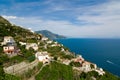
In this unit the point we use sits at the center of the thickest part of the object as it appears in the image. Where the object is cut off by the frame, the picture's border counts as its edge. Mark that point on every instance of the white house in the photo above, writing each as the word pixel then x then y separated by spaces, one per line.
pixel 32 45
pixel 62 49
pixel 56 42
pixel 100 71
pixel 43 57
pixel 49 42
pixel 44 38
pixel 8 39
pixel 22 43
pixel 53 45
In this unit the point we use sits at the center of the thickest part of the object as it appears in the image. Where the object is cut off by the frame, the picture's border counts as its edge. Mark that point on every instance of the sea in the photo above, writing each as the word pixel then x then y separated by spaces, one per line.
pixel 103 52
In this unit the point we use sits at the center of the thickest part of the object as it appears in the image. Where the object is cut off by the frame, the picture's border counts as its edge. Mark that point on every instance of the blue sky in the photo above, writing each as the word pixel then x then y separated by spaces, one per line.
pixel 73 18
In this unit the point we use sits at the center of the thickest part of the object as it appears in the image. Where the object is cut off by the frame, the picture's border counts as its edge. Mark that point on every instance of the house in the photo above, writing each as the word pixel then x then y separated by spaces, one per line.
pixel 44 39
pixel 86 66
pixel 30 37
pixel 79 58
pixel 22 43
pixel 66 62
pixel 95 66
pixel 8 39
pixel 32 45
pixel 53 45
pixel 100 71
pixel 39 37
pixel 62 49
pixel 56 42
pixel 67 52
pixel 45 46
pixel 43 57
pixel 9 49
pixel 49 42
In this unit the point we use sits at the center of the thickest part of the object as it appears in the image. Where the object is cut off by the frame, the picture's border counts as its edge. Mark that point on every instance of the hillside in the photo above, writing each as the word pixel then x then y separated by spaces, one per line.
pixel 19 33
pixel 4 21
pixel 57 71
pixel 50 35
pixel 38 58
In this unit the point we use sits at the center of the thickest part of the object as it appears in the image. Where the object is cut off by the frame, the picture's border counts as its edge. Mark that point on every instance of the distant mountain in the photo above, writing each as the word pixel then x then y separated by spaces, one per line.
pixel 50 35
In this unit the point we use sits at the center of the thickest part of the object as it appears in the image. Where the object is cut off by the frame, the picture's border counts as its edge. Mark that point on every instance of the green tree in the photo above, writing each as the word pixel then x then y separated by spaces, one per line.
pixel 1 72
pixel 75 64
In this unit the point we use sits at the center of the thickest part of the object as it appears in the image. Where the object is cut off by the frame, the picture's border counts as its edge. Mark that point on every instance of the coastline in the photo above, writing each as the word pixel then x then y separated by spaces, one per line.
pixel 88 51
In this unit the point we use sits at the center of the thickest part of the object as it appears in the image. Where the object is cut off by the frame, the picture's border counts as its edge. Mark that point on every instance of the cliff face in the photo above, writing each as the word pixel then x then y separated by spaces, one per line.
pixel 50 35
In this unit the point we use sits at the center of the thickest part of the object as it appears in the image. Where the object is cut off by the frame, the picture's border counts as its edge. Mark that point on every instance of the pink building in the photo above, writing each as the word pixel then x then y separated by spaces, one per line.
pixel 9 49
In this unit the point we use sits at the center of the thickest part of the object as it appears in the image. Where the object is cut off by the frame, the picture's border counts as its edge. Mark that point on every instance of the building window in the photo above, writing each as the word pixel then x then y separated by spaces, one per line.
pixel 5 47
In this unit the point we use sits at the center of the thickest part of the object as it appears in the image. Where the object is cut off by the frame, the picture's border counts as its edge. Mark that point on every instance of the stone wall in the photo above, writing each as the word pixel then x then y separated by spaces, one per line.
pixel 21 67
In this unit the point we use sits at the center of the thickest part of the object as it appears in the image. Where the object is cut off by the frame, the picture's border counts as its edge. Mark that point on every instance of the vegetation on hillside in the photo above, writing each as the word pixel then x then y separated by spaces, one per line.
pixel 3 21
pixel 55 71
pixel 3 75
pixel 31 72
pixel 58 71
pixel 75 64
pixel 94 75
pixel 19 33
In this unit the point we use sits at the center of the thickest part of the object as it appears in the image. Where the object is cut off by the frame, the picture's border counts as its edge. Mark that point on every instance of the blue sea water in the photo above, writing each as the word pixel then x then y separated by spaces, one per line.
pixel 104 52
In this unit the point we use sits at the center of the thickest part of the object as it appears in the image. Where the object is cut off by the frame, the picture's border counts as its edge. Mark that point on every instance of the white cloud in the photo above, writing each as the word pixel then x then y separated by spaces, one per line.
pixel 9 17
pixel 12 17
pixel 106 12
pixel 102 22
pixel 60 27
pixel 108 20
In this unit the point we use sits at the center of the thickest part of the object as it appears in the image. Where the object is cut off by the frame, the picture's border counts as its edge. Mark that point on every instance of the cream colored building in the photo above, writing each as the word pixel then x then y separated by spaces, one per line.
pixel 32 45
pixel 8 39
pixel 86 66
pixel 44 38
pixel 43 57
pixel 22 43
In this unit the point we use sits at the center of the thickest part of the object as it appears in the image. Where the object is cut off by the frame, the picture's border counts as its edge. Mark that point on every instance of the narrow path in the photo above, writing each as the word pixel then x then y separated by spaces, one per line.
pixel 33 77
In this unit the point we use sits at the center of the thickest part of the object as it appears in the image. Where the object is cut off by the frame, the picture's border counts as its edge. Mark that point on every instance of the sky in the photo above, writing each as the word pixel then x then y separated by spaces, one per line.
pixel 72 18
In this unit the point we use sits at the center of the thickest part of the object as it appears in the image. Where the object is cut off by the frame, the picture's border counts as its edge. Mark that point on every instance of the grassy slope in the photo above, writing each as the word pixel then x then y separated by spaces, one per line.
pixel 55 71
